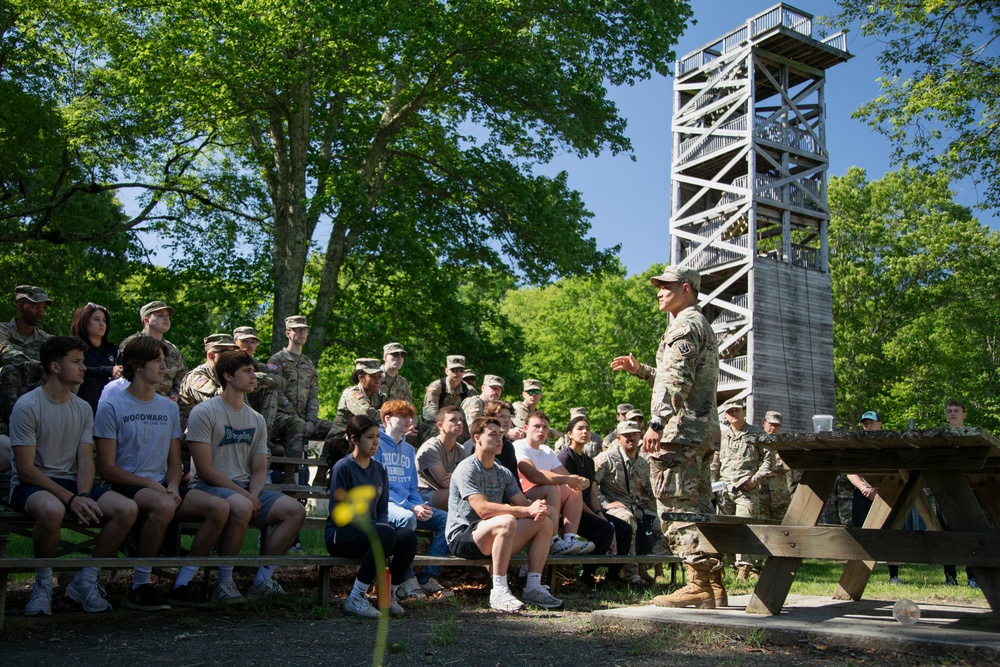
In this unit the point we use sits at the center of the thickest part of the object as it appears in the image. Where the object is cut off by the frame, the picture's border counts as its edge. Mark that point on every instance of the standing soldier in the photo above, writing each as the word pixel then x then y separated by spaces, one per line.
pixel 201 383
pixel 394 386
pixel 20 342
pixel 155 317
pixel 683 428
pixel 269 391
pixel 775 495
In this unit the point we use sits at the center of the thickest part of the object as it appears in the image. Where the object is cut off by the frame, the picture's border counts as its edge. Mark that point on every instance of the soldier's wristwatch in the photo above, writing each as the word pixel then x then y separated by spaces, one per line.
pixel 656 425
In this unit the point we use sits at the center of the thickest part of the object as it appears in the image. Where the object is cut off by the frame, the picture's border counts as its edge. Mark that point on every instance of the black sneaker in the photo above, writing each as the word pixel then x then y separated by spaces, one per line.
pixel 189 596
pixel 146 598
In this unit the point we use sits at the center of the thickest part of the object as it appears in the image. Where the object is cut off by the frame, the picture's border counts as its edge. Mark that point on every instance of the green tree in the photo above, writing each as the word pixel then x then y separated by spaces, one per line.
pixel 940 77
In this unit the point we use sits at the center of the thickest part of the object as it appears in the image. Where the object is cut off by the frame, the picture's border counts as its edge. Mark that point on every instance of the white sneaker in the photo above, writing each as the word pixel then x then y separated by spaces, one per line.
pixel 227 592
pixel 504 600
pixel 360 607
pixel 268 587
pixel 395 609
pixel 540 597
pixel 410 589
pixel 433 586
pixel 90 596
pixel 40 603
pixel 561 547
pixel 586 546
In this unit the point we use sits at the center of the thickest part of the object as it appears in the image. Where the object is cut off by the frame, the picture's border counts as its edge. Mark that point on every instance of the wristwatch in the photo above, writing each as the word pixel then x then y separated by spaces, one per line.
pixel 656 425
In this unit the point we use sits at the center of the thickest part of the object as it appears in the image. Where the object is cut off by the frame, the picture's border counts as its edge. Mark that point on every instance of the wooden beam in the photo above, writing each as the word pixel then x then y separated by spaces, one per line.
pixel 887 460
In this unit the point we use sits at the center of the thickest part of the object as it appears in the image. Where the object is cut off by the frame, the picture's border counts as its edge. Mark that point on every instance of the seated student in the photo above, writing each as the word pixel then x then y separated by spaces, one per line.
pixel 53 473
pixel 594 524
pixel 399 545
pixel 137 433
pixel 438 457
pixel 228 443
pixel 543 476
pixel 406 507
pixel 489 516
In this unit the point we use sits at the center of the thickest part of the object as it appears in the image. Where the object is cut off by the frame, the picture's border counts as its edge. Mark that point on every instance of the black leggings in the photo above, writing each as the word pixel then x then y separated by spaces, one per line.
pixel 398 544
pixel 600 532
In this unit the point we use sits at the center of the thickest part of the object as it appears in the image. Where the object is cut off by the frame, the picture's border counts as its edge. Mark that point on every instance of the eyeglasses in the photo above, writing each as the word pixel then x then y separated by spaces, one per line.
pixel 534 392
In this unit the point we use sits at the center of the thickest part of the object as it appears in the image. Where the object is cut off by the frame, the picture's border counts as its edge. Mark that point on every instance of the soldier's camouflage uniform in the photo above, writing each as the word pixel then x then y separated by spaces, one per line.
pixel 302 394
pixel 395 389
pixel 176 368
pixel 684 385
pixel 268 396
pixel 735 463
pixel 22 371
pixel 199 385
pixel 521 414
pixel 775 495
pixel 353 401
pixel 439 394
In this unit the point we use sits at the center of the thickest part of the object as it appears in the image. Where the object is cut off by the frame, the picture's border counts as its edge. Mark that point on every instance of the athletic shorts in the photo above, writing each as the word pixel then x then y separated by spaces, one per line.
pixel 19 494
pixel 463 546
pixel 267 498
pixel 131 491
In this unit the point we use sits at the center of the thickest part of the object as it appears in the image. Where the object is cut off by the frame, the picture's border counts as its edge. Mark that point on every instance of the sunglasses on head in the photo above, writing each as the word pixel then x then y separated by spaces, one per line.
pixel 91 304
pixel 534 392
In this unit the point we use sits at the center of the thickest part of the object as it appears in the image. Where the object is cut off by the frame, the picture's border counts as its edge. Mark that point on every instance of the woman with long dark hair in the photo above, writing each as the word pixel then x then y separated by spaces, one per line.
pixel 399 545
pixel 91 323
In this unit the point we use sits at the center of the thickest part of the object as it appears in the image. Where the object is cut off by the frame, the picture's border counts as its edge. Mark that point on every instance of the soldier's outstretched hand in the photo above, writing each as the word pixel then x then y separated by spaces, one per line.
pixel 629 363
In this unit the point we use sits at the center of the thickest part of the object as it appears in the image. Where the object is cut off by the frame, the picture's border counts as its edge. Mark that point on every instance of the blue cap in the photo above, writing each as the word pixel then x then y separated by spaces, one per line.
pixel 872 415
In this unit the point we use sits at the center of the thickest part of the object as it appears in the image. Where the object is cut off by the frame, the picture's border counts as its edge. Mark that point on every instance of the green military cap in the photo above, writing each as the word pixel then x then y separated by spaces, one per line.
pixel 678 274
pixel 733 403
pixel 389 348
pixel 469 374
pixel 242 333
pixel 30 293
pixel 532 384
pixel 219 341
pixel 295 322
pixel 627 426
pixel 493 381
pixel 455 361
pixel 577 412
pixel 625 407
pixel 634 414
pixel 154 306
pixel 368 365
pixel 772 417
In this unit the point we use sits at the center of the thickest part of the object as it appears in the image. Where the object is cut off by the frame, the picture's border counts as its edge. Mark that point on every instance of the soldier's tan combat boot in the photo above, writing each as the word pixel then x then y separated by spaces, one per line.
pixel 719 588
pixel 697 593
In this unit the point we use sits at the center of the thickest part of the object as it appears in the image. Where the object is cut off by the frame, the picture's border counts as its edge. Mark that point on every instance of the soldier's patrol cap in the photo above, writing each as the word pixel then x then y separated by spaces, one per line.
pixel 773 417
pixel 870 415
pixel 389 348
pixel 469 374
pixel 154 306
pixel 242 333
pixel 625 407
pixel 678 274
pixel 295 322
pixel 627 426
pixel 367 365
pixel 532 384
pixel 634 415
pixel 220 341
pixel 733 403
pixel 577 412
pixel 455 361
pixel 493 381
pixel 30 293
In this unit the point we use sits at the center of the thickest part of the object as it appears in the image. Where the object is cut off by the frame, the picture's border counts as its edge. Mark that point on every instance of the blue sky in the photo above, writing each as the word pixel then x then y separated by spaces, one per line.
pixel 630 200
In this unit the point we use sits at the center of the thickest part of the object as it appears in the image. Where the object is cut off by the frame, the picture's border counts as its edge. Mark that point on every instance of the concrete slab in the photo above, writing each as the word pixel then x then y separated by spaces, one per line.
pixel 942 629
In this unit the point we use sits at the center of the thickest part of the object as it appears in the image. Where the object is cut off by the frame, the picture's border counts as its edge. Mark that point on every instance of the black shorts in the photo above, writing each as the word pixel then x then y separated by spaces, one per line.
pixel 20 494
pixel 131 491
pixel 463 546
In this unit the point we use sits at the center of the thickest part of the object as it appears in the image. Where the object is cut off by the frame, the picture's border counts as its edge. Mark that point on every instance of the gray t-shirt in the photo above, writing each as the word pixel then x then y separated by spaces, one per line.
pixel 236 436
pixel 432 453
pixel 496 484
pixel 55 430
pixel 142 429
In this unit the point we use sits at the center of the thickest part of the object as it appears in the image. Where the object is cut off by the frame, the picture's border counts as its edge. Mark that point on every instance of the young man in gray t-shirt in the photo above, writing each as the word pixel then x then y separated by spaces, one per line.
pixel 489 516
pixel 228 443
pixel 53 474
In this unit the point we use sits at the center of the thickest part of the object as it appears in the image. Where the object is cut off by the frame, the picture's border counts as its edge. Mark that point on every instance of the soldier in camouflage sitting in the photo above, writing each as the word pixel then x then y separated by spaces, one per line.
pixel 363 397
pixel 448 390
pixel 20 342
pixel 155 317
pixel 269 392
pixel 473 406
pixel 201 383
pixel 394 386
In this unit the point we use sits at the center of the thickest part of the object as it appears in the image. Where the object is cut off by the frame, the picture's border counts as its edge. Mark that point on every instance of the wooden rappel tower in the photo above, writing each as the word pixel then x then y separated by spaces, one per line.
pixel 749 208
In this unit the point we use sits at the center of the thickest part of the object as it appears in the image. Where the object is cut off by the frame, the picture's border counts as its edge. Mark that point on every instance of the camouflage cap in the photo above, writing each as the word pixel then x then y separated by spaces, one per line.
pixel 532 384
pixel 627 426
pixel 368 365
pixel 389 348
pixel 634 415
pixel 30 293
pixel 152 307
pixel 295 322
pixel 577 412
pixel 625 407
pixel 678 274
pixel 455 361
pixel 772 417
pixel 469 374
pixel 493 381
pixel 242 333
pixel 220 341
pixel 734 403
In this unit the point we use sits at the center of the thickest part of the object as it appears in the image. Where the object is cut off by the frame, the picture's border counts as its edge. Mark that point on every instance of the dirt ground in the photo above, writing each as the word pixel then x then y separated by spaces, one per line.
pixel 459 631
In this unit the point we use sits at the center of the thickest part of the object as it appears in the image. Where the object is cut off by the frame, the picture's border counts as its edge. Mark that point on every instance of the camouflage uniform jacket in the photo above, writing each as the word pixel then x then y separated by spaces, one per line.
pixel 18 349
pixel 268 376
pixel 301 384
pixel 176 368
pixel 440 394
pixel 737 461
pixel 685 381
pixel 521 414
pixel 353 401
pixel 395 389
pixel 611 467
pixel 473 408
pixel 199 385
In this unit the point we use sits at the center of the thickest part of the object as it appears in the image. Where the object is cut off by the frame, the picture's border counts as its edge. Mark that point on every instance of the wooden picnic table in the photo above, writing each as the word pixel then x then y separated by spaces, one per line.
pixel 958 464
